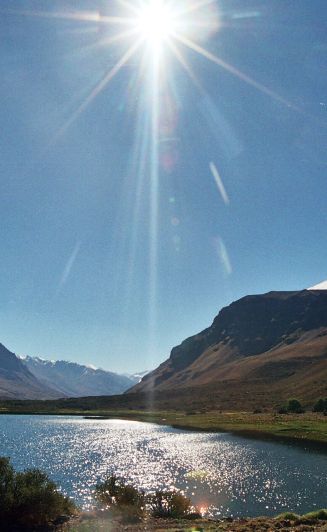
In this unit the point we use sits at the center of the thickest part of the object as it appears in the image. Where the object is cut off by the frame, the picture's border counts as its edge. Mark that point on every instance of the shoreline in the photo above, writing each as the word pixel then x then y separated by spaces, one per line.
pixel 251 434
pixel 298 429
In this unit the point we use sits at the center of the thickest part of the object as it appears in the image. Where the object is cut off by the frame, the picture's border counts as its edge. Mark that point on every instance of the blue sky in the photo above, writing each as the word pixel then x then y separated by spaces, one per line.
pixel 108 261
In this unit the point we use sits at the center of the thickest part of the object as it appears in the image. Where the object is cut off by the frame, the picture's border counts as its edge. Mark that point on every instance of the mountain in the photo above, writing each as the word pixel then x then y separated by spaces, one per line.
pixel 260 348
pixel 320 286
pixel 136 377
pixel 75 380
pixel 17 382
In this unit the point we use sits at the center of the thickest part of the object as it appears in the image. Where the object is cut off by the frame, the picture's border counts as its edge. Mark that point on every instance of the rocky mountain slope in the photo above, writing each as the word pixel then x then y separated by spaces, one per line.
pixel 274 343
pixel 17 382
pixel 70 379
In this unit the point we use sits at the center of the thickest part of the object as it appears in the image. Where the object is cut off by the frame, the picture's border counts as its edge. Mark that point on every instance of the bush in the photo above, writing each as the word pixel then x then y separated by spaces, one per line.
pixel 290 516
pixel 30 498
pixel 320 406
pixel 294 406
pixel 130 496
pixel 115 492
pixel 317 514
pixel 37 499
pixel 169 504
pixel 106 491
pixel 7 488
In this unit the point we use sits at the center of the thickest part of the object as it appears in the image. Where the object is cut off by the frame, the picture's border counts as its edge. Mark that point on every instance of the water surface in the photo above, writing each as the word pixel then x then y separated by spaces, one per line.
pixel 223 473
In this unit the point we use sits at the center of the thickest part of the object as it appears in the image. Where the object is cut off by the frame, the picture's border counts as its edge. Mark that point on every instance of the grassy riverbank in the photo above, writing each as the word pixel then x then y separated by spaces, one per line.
pixel 307 427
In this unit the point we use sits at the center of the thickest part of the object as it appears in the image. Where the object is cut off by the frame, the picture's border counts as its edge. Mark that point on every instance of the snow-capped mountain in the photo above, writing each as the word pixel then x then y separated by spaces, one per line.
pixel 137 377
pixel 70 379
pixel 320 286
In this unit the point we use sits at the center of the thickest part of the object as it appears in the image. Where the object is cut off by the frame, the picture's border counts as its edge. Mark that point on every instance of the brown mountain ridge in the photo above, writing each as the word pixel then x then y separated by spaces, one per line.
pixel 266 347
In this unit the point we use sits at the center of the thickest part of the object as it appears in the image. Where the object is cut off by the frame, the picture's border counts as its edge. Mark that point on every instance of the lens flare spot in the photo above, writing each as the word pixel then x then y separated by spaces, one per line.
pixel 175 221
pixel 223 256
pixel 219 183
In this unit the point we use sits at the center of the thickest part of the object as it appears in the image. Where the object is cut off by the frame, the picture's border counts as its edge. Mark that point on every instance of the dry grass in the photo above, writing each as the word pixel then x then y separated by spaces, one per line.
pixel 114 523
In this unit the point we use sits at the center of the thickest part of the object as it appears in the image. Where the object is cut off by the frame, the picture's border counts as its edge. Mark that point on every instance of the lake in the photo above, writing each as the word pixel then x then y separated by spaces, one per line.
pixel 225 475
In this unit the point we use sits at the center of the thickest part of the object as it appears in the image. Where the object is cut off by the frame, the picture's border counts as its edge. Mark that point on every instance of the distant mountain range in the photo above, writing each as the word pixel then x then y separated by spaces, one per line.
pixel 35 378
pixel 258 350
pixel 70 379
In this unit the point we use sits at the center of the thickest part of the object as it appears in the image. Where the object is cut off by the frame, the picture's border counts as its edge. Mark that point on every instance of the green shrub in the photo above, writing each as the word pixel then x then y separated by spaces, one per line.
pixel 115 492
pixel 169 504
pixel 311 516
pixel 289 516
pixel 30 498
pixel 318 514
pixel 130 496
pixel 7 476
pixel 105 492
pixel 294 406
pixel 320 406
pixel 37 499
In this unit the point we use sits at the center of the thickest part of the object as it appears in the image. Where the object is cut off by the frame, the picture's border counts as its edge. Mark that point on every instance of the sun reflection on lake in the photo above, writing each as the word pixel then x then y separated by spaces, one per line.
pixel 223 475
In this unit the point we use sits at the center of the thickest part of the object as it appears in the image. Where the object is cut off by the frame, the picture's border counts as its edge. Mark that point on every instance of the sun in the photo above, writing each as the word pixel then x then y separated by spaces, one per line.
pixel 155 22
pixel 164 30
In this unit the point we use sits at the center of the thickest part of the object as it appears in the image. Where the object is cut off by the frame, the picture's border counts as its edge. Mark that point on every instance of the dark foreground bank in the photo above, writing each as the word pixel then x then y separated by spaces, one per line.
pixel 286 522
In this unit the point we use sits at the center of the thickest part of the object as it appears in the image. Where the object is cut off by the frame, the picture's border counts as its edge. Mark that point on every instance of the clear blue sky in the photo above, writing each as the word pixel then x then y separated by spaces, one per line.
pixel 106 261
